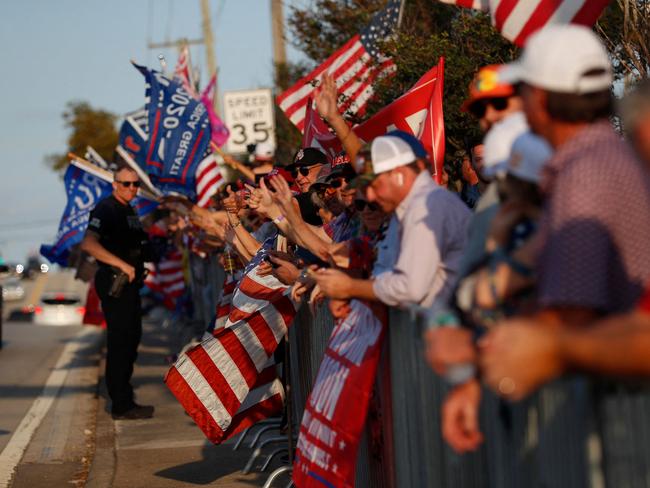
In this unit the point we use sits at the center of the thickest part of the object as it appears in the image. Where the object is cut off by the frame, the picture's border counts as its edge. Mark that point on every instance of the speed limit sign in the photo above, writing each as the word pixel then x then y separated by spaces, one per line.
pixel 249 116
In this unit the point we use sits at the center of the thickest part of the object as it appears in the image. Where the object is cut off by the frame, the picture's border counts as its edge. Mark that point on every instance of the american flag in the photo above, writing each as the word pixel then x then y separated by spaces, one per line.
pixel 166 278
pixel 355 67
pixel 518 19
pixel 183 70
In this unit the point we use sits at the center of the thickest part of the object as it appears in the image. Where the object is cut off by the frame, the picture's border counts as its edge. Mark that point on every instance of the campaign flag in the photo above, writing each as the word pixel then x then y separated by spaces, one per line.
pixel 84 190
pixel 419 112
pixel 179 134
pixel 183 71
pixel 330 431
pixel 518 19
pixel 220 132
pixel 134 137
pixel 355 67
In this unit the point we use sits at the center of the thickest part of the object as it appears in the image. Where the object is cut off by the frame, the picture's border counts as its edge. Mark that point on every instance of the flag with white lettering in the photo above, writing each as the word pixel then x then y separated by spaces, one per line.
pixel 516 20
pixel 326 454
pixel 179 134
pixel 355 67
pixel 84 190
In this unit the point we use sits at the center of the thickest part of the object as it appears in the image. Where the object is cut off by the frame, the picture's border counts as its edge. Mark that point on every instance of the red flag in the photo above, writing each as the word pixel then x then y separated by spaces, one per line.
pixel 355 67
pixel 330 430
pixel 419 112
pixel 317 134
pixel 518 19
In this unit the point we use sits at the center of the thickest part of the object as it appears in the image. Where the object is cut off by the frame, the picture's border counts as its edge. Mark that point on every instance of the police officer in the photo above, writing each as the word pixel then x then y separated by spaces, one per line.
pixel 115 238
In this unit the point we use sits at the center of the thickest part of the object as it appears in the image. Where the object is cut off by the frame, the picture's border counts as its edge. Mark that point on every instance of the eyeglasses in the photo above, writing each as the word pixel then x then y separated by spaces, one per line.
pixel 127 184
pixel 478 108
pixel 303 170
pixel 362 204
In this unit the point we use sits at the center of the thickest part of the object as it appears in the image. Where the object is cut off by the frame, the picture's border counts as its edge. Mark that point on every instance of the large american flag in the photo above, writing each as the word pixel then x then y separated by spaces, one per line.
pixel 229 381
pixel 355 67
pixel 518 19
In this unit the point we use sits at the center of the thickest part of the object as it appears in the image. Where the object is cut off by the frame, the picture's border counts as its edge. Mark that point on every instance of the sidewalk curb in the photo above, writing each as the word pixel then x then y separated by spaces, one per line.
pixel 102 468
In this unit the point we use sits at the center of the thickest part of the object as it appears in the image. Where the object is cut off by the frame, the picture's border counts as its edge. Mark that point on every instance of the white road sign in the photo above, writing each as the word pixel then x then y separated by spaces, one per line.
pixel 249 116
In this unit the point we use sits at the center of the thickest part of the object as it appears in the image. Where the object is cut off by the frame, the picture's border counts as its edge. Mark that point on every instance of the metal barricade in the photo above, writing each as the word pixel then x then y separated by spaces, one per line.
pixel 552 439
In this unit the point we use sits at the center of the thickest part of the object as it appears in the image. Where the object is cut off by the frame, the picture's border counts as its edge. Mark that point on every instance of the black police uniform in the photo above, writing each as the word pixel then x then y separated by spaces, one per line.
pixel 120 232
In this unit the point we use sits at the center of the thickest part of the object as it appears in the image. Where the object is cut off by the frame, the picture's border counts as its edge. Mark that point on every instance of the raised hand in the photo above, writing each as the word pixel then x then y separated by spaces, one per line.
pixel 326 97
pixel 282 196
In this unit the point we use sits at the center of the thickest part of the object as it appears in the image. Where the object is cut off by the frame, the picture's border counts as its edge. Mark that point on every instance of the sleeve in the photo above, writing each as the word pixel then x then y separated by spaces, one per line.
pixel 100 220
pixel 575 261
pixel 410 281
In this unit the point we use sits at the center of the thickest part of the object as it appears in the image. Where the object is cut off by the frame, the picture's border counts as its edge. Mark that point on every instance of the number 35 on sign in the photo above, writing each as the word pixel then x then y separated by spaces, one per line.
pixel 249 116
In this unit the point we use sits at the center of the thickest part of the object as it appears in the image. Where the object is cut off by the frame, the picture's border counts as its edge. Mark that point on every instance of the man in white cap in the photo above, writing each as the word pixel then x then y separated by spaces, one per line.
pixel 432 226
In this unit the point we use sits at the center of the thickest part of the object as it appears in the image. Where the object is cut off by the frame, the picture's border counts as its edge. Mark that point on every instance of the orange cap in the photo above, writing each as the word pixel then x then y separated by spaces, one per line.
pixel 486 84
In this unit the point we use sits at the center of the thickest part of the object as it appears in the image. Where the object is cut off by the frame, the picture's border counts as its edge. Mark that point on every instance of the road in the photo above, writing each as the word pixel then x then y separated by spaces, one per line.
pixel 48 378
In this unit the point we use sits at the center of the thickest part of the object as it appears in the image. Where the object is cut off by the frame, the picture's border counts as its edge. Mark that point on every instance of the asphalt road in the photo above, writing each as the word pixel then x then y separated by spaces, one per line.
pixel 48 377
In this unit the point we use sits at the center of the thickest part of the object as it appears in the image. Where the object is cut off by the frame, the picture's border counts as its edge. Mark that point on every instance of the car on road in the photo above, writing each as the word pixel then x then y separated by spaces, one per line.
pixel 60 308
pixel 12 290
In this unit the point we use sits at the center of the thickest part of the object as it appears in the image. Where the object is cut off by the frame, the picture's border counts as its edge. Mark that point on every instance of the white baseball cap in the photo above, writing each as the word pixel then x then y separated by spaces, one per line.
pixel 565 58
pixel 498 142
pixel 264 151
pixel 390 152
pixel 529 155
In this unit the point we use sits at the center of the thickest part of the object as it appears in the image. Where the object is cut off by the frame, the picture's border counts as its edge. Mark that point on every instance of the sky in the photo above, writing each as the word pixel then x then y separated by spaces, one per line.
pixel 57 51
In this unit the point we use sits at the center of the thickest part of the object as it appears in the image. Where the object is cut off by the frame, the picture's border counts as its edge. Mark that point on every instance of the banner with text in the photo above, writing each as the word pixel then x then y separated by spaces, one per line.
pixel 84 190
pixel 326 454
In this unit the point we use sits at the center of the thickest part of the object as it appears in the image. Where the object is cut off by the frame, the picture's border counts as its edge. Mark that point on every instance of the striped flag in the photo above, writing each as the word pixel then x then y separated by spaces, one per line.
pixel 518 19
pixel 183 70
pixel 228 382
pixel 166 278
pixel 355 67
pixel 208 179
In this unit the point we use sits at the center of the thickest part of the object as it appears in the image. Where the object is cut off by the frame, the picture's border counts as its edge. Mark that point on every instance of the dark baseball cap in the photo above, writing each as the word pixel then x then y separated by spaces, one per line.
pixel 308 156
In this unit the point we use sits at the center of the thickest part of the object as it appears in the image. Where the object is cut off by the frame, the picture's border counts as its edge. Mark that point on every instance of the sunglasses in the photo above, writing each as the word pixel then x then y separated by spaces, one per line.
pixel 338 182
pixel 303 170
pixel 478 108
pixel 127 184
pixel 362 204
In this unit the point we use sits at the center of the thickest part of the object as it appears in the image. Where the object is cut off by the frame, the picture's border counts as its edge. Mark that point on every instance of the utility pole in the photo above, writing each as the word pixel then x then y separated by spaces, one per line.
pixel 208 39
pixel 279 50
pixel 207 42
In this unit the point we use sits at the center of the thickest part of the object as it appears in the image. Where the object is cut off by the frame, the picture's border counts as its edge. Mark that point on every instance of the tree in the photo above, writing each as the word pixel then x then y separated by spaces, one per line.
pixel 625 28
pixel 429 30
pixel 89 127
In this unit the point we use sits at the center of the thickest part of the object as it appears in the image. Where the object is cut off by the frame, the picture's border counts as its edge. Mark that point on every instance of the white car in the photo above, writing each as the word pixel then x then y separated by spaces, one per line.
pixel 59 309
pixel 12 290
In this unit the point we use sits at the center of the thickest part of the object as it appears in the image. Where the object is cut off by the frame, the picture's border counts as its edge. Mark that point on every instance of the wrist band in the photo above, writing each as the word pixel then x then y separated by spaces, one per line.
pixel 236 224
pixel 279 219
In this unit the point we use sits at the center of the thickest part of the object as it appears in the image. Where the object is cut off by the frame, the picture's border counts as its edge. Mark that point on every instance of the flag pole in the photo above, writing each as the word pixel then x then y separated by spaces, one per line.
pixel 401 14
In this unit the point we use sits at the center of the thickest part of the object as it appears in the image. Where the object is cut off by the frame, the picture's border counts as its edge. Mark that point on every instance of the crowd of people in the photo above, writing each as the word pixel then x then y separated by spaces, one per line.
pixel 529 262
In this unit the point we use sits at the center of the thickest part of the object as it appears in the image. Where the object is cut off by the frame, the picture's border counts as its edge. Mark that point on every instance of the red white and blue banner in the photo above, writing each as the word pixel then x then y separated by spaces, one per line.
pixel 84 190
pixel 326 454
pixel 179 134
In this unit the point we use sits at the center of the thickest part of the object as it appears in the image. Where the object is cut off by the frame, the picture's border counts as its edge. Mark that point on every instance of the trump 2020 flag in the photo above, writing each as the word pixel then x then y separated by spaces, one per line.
pixel 84 190
pixel 179 134
pixel 134 136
